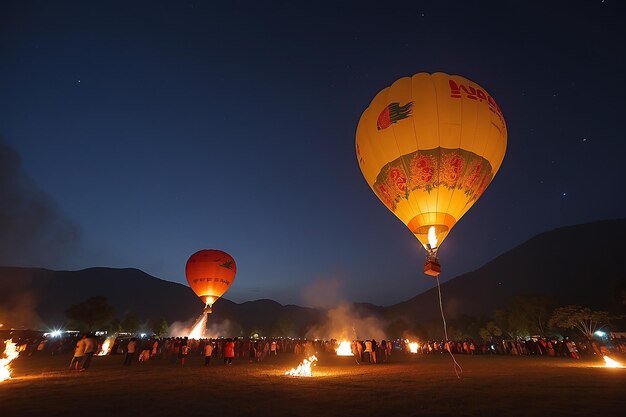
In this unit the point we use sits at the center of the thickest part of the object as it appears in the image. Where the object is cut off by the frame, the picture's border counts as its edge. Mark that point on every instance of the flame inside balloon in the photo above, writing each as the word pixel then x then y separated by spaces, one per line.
pixel 432 238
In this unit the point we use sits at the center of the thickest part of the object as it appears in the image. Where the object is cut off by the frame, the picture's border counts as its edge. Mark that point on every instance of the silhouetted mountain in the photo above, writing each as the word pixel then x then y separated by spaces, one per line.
pixel 575 265
pixel 128 290
pixel 581 265
pixel 30 294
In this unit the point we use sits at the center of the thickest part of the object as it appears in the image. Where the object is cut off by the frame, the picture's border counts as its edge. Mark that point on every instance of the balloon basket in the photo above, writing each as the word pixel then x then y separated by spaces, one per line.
pixel 432 267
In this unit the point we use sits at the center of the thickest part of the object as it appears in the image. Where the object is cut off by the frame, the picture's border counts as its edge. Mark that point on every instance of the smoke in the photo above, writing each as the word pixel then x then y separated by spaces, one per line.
pixel 322 293
pixel 345 322
pixel 33 232
pixel 225 328
pixel 18 311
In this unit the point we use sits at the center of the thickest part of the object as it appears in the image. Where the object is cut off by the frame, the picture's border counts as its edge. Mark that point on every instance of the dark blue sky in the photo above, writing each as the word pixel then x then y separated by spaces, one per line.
pixel 161 128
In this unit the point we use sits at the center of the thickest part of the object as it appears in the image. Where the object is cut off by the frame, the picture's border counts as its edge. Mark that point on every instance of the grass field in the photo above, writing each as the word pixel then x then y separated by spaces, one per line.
pixel 407 386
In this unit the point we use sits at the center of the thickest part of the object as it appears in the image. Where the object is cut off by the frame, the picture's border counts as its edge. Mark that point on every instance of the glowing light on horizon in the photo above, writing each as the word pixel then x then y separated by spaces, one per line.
pixel 304 369
pixel 413 346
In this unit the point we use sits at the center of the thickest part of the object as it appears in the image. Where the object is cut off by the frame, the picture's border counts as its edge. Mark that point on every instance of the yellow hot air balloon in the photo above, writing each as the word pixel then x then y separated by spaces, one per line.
pixel 428 146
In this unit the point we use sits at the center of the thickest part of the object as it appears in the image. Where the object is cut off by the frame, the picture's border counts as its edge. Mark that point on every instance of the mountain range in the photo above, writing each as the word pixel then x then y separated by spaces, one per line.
pixel 582 264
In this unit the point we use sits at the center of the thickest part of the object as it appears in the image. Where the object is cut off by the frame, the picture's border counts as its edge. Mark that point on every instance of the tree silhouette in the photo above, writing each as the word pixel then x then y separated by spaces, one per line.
pixel 160 327
pixel 580 318
pixel 91 313
pixel 130 323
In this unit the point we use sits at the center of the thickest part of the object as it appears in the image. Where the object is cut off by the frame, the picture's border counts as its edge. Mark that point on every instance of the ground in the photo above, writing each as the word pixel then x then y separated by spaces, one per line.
pixel 408 385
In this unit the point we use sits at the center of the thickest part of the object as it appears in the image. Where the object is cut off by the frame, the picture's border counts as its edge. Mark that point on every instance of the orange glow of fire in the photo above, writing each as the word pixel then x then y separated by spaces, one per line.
pixel 344 349
pixel 10 353
pixel 432 238
pixel 106 346
pixel 199 328
pixel 413 346
pixel 304 369
pixel 610 363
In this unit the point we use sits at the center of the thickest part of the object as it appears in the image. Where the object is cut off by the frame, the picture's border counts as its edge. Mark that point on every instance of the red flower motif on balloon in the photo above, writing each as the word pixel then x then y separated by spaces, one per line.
pixel 382 191
pixel 452 164
pixel 483 185
pixel 397 179
pixel 472 175
pixel 422 168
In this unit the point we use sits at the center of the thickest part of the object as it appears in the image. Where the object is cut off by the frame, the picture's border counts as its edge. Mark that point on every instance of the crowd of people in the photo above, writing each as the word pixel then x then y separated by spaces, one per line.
pixel 537 346
pixel 226 350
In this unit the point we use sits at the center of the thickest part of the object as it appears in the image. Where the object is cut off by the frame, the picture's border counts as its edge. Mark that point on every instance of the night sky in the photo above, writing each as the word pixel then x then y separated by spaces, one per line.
pixel 152 130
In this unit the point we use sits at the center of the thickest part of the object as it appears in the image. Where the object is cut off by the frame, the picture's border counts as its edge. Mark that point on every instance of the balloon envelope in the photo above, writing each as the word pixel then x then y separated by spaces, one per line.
pixel 428 146
pixel 210 273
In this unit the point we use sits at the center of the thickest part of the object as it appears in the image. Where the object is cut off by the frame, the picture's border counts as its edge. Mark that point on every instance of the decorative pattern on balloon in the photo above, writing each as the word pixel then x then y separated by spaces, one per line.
pixel 392 114
pixel 431 169
pixel 227 265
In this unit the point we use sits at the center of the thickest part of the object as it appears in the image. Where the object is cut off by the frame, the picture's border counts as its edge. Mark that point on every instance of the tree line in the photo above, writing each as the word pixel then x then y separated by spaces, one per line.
pixel 525 316
pixel 96 313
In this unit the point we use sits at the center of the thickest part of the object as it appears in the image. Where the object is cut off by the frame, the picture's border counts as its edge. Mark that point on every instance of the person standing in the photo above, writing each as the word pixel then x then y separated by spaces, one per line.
pixel 155 349
pixel 131 348
pixel 79 353
pixel 229 352
pixel 252 353
pixel 208 352
pixel 374 349
pixel 184 351
pixel 368 350
pixel 90 349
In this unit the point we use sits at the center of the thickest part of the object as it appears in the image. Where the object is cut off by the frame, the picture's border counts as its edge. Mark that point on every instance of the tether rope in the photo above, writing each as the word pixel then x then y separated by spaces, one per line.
pixel 456 366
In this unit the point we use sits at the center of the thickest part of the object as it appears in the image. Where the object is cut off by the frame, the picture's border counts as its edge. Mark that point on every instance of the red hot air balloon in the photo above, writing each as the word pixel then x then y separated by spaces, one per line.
pixel 210 273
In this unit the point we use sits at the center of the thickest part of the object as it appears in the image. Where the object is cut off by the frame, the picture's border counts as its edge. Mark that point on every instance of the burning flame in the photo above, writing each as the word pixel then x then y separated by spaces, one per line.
pixel 610 363
pixel 304 369
pixel 344 349
pixel 413 346
pixel 10 353
pixel 106 346
pixel 432 238
pixel 198 329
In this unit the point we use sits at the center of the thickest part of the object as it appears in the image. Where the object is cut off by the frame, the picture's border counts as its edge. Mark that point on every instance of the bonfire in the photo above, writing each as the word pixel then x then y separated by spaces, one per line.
pixel 105 349
pixel 344 349
pixel 304 369
pixel 10 353
pixel 413 346
pixel 610 363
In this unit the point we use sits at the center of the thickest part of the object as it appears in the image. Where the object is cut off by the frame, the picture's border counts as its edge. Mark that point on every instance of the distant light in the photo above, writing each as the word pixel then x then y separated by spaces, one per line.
pixel 600 333
pixel 143 335
pixel 56 333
